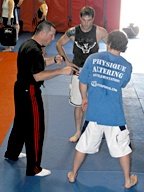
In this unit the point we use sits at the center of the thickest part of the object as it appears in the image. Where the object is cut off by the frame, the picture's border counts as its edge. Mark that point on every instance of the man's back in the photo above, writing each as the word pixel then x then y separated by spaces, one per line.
pixel 106 74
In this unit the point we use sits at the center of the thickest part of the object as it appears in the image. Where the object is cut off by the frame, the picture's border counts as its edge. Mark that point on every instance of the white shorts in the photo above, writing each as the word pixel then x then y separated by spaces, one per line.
pixel 117 139
pixel 75 95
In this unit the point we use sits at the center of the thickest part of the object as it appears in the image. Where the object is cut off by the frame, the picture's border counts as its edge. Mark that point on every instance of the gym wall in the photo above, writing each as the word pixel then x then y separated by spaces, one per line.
pixel 65 14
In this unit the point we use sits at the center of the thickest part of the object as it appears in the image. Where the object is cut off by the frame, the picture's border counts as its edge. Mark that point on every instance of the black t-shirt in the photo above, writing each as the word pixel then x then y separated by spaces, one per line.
pixel 29 61
pixel 85 44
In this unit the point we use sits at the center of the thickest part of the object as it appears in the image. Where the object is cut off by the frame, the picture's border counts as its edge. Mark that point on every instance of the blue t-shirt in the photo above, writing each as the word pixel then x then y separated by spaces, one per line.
pixel 105 75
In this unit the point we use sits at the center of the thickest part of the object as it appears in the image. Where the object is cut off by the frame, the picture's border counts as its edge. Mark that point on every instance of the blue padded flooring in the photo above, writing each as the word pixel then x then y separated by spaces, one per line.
pixel 100 172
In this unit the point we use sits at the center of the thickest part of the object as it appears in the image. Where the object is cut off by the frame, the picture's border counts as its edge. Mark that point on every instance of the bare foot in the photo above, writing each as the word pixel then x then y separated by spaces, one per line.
pixel 133 181
pixel 75 137
pixel 71 177
pixel 7 50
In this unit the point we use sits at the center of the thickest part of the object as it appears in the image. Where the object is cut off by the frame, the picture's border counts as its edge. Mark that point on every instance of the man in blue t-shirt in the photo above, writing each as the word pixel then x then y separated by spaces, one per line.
pixel 101 81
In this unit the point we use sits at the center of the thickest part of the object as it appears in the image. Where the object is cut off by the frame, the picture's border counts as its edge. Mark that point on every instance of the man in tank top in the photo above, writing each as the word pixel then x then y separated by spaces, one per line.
pixel 85 37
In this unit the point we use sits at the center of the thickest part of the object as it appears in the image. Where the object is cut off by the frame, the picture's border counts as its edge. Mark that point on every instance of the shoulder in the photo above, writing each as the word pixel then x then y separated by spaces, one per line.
pixel 126 61
pixel 71 32
pixel 100 29
pixel 44 6
pixel 67 36
pixel 10 2
pixel 101 33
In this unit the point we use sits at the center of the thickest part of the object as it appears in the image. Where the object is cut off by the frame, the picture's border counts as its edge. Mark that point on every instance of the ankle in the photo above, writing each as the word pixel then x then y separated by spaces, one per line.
pixel 78 132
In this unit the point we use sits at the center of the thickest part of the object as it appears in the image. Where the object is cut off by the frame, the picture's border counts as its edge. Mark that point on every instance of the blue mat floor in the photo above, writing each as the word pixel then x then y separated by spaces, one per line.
pixel 100 172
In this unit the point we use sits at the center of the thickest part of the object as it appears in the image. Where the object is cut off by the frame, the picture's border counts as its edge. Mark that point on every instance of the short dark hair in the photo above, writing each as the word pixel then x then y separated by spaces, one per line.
pixel 117 40
pixel 87 11
pixel 44 25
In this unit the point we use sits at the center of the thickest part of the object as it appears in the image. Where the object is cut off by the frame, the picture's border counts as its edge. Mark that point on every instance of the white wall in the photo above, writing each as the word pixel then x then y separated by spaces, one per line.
pixel 132 11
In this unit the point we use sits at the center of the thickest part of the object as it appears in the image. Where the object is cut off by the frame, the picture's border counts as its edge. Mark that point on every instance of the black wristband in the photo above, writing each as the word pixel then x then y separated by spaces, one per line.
pixel 55 59
pixel 63 57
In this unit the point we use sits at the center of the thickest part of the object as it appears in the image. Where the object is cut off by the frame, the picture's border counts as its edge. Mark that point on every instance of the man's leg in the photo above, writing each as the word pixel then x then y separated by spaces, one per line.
pixel 78 160
pixel 130 180
pixel 78 115
pixel 17 30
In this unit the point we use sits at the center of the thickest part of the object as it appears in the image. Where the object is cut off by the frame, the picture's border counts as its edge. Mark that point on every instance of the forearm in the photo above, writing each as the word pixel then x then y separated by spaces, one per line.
pixel 47 74
pixel 58 59
pixel 49 60
pixel 83 90
pixel 60 48
pixel 61 51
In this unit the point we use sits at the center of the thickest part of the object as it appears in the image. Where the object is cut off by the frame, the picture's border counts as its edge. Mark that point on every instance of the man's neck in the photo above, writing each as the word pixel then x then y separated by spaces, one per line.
pixel 114 52
pixel 36 39
pixel 84 30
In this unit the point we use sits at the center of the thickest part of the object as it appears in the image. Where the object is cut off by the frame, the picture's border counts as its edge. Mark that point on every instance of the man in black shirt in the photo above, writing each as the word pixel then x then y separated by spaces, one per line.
pixel 28 127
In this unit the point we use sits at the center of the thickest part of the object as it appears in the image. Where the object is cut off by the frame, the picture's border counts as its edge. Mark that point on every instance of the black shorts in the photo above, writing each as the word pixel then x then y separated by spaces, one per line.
pixel 5 20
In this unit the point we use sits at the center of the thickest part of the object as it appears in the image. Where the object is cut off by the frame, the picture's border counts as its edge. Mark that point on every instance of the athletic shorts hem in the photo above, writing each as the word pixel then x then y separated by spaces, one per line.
pixel 75 105
pixel 124 154
pixel 86 152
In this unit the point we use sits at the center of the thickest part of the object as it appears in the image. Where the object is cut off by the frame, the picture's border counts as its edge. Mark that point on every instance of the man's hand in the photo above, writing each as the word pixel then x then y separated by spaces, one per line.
pixel 58 59
pixel 68 70
pixel 74 67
